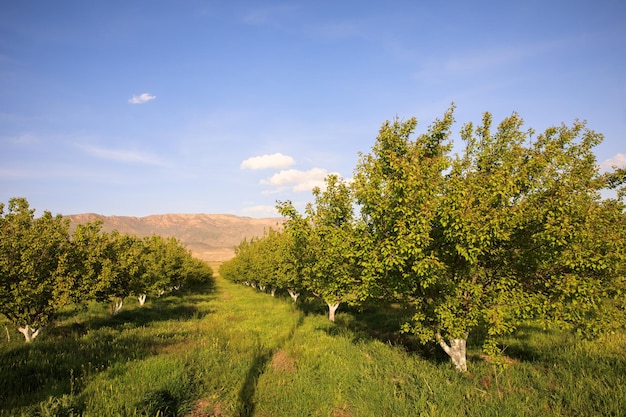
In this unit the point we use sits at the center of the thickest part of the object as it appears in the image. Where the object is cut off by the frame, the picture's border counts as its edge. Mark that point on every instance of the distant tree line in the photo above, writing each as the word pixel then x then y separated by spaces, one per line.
pixel 44 267
pixel 512 228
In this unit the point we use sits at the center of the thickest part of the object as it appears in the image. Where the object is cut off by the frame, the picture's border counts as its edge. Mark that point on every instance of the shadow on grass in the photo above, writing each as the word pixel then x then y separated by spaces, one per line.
pixel 382 322
pixel 160 403
pixel 86 343
pixel 259 363
pixel 156 309
pixel 248 389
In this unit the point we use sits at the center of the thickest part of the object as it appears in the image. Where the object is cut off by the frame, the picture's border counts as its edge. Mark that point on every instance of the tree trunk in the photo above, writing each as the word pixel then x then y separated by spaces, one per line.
pixel 294 295
pixel 116 306
pixel 456 351
pixel 29 333
pixel 331 311
pixel 273 291
pixel 262 288
pixel 142 299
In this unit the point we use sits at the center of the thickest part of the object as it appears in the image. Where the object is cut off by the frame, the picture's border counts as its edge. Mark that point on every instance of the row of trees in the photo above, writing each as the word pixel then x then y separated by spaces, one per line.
pixel 43 266
pixel 510 229
pixel 317 253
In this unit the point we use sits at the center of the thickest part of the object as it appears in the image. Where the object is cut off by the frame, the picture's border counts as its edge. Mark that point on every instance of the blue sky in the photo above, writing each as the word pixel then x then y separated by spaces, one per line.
pixel 148 107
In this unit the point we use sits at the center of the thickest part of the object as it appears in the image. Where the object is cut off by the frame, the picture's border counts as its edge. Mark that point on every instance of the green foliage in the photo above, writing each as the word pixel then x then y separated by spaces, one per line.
pixel 334 244
pixel 168 265
pixel 32 269
pixel 43 268
pixel 110 266
pixel 398 189
pixel 266 263
pixel 326 246
pixel 511 229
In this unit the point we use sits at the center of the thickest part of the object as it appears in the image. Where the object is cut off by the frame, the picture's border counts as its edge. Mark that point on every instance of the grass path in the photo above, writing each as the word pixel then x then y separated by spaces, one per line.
pixel 232 351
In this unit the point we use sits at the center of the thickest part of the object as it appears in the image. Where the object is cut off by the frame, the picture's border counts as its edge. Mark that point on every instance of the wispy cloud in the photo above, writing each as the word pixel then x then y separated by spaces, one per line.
pixel 338 30
pixel 22 139
pixel 141 98
pixel 260 211
pixel 297 180
pixel 122 155
pixel 619 161
pixel 270 15
pixel 276 160
pixel 11 173
pixel 476 61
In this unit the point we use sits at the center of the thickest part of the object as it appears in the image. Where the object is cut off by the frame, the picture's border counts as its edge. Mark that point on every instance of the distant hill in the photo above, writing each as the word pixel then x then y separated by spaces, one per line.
pixel 210 237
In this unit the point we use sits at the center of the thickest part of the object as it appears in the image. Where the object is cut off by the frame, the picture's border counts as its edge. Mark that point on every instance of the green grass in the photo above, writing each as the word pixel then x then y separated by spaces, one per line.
pixel 231 351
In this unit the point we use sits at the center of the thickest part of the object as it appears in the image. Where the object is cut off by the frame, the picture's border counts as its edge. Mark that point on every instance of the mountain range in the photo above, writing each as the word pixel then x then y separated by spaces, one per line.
pixel 210 237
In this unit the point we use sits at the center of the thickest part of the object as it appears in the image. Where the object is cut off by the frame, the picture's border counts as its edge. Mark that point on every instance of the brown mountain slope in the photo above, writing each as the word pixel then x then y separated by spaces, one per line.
pixel 210 237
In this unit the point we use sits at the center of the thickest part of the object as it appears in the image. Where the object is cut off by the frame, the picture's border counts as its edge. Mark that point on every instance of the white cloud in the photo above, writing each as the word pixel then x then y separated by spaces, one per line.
pixel 277 161
pixel 619 161
pixel 141 98
pixel 122 155
pixel 298 180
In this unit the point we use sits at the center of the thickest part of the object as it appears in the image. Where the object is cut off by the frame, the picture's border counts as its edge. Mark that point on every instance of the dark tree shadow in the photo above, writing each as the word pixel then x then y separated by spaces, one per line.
pixel 56 362
pixel 248 389
pixel 383 321
pixel 262 357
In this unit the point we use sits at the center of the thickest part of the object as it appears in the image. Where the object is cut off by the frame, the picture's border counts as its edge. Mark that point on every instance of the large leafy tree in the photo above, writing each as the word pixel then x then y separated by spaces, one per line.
pixel 508 230
pixel 296 255
pixel 107 267
pixel 122 268
pixel 166 263
pixel 287 264
pixel 270 261
pixel 332 245
pixel 234 269
pixel 32 266
pixel 87 260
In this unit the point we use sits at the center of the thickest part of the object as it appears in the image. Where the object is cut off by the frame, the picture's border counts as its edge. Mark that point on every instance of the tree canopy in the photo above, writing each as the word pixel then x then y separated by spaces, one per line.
pixel 32 272
pixel 43 267
pixel 511 228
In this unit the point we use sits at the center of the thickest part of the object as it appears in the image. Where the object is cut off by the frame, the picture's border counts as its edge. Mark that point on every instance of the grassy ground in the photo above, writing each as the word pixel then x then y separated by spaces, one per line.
pixel 231 351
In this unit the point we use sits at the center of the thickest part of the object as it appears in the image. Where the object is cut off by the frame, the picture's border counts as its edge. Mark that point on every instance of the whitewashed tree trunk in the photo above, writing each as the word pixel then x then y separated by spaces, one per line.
pixel 456 350
pixel 142 299
pixel 161 292
pixel 332 308
pixel 253 284
pixel 262 288
pixel 294 295
pixel 116 306
pixel 6 329
pixel 273 291
pixel 29 333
